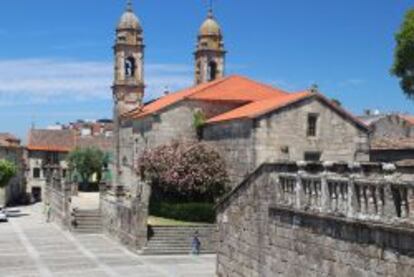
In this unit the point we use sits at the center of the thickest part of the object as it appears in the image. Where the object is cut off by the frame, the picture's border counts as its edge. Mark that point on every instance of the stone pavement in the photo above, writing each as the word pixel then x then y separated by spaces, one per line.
pixel 31 247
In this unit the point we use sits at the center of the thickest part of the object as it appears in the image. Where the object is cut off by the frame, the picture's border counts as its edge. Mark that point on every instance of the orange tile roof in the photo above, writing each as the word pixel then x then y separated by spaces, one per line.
pixel 232 88
pixel 259 108
pixel 408 118
pixel 51 140
pixel 256 109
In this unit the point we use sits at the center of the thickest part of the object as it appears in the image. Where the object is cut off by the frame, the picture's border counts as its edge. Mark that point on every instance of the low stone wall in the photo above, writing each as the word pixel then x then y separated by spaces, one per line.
pixel 57 195
pixel 124 217
pixel 306 244
pixel 289 219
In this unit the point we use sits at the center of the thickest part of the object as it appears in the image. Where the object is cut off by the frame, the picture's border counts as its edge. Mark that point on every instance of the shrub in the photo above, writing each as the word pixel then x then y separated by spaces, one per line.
pixel 7 171
pixel 193 212
pixel 186 171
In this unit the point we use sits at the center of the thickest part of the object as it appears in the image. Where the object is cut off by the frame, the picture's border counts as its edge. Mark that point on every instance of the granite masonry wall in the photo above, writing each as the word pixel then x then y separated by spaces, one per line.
pixel 282 136
pixel 124 215
pixel 392 126
pixel 235 142
pixel 57 194
pixel 319 220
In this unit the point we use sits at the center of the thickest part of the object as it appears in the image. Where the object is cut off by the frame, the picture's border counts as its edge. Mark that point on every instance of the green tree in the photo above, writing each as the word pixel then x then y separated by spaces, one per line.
pixel 86 162
pixel 403 66
pixel 7 171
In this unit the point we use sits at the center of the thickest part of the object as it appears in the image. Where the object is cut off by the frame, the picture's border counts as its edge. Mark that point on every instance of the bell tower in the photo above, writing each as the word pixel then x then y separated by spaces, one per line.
pixel 128 87
pixel 210 53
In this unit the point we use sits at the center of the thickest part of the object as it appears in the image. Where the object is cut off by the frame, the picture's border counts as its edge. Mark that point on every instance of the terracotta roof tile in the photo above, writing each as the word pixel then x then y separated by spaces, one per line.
pixel 232 88
pixel 408 118
pixel 258 108
pixel 9 140
pixel 101 142
pixel 51 140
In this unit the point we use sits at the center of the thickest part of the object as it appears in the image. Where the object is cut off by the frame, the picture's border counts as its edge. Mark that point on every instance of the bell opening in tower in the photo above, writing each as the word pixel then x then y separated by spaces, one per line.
pixel 130 67
pixel 212 71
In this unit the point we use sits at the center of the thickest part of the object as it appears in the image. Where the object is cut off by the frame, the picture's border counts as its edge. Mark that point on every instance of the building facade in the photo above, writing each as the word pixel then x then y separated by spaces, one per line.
pixel 50 148
pixel 246 121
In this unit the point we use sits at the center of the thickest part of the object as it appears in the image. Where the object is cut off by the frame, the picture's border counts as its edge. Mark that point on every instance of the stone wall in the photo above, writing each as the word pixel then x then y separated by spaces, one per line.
pixel 319 220
pixel 235 142
pixel 282 136
pixel 57 194
pixel 392 126
pixel 124 215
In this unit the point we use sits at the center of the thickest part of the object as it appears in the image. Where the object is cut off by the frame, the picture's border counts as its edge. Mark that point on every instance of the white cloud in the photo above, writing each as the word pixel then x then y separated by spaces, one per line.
pixel 55 80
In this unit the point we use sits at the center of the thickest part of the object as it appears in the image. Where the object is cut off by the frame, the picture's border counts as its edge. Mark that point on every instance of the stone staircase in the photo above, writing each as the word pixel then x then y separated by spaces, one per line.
pixel 87 221
pixel 170 240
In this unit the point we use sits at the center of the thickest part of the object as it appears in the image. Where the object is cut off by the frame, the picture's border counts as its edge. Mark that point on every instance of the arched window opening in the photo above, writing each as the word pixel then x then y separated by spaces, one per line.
pixel 212 71
pixel 130 67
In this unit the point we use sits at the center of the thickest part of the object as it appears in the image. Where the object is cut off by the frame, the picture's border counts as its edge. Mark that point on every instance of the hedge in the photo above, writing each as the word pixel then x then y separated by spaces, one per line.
pixel 192 212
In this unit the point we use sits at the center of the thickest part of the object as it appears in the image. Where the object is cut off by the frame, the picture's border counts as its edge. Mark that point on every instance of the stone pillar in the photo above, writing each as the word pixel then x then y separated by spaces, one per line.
pixel 390 212
pixel 325 205
pixel 352 202
pixel 299 191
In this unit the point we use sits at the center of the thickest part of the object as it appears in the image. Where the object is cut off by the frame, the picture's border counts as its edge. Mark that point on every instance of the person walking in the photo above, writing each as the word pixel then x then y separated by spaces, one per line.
pixel 47 212
pixel 195 244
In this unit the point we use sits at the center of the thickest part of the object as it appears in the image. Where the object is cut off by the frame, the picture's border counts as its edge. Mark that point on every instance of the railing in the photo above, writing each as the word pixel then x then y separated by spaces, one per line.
pixel 379 196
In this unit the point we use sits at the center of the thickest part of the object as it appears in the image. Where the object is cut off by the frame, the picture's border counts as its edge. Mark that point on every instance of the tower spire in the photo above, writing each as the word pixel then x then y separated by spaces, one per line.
pixel 129 6
pixel 210 9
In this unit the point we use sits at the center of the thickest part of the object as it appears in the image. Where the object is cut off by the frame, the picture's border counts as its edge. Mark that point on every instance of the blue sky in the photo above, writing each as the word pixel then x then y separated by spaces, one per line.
pixel 56 56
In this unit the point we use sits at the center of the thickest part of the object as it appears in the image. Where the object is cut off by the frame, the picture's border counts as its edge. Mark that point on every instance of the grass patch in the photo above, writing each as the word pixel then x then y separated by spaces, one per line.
pixel 160 221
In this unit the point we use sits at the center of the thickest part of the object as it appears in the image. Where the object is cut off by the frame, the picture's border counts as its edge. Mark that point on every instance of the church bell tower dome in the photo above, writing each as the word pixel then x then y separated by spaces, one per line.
pixel 129 20
pixel 210 27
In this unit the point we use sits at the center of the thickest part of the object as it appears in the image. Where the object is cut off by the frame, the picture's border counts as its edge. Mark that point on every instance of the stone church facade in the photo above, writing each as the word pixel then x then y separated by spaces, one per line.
pixel 248 122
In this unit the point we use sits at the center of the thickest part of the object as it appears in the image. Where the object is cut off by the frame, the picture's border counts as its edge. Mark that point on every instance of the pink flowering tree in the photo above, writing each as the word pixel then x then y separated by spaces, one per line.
pixel 184 171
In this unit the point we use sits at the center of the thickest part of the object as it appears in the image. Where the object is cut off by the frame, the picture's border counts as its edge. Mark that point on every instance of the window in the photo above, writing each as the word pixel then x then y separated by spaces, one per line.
pixel 52 158
pixel 312 125
pixel 212 71
pixel 64 173
pixel 312 156
pixel 130 67
pixel 36 172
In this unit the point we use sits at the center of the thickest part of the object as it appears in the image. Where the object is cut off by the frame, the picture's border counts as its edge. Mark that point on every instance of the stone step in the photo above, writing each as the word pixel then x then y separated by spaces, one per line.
pixel 173 252
pixel 169 240
pixel 88 221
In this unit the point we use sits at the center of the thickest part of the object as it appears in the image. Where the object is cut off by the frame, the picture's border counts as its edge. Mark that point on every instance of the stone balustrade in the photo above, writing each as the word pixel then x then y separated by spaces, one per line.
pixel 374 192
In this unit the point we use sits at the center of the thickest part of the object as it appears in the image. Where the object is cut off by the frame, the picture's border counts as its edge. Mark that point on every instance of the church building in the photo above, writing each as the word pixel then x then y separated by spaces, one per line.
pixel 246 121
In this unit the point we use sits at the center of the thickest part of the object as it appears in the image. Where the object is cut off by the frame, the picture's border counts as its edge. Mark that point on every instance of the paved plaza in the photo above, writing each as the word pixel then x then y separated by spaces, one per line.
pixel 31 247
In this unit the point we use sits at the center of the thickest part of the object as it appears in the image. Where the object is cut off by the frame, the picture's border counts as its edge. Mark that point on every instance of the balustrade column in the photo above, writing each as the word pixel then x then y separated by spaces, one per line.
pixel 380 202
pixel 299 192
pixel 325 202
pixel 352 201
pixel 410 204
pixel 390 212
